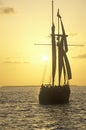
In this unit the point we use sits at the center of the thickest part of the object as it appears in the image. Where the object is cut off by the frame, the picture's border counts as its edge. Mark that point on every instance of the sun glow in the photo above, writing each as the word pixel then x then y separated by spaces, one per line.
pixel 44 58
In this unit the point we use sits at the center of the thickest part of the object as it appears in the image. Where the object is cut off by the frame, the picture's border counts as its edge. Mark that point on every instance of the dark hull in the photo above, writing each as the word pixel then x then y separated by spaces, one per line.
pixel 54 95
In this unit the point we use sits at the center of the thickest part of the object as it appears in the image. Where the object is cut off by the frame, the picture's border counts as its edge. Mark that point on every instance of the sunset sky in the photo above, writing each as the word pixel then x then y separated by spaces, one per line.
pixel 26 22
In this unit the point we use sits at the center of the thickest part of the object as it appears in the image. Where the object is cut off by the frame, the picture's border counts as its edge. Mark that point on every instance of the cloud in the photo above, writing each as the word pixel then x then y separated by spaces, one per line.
pixel 1 2
pixel 7 10
pixel 83 56
pixel 73 34
pixel 15 60
pixel 11 62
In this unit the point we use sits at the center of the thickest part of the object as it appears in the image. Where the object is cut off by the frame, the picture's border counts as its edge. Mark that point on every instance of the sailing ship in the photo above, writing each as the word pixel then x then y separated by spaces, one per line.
pixel 57 94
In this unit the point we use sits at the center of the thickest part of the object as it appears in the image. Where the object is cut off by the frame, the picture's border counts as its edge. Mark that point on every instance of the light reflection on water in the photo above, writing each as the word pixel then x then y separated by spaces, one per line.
pixel 20 110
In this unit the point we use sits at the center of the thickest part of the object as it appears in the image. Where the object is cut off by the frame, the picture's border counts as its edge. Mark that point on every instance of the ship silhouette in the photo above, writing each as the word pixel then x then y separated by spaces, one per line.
pixel 60 93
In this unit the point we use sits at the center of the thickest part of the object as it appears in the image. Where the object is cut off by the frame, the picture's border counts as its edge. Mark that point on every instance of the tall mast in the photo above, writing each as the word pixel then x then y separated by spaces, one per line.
pixel 58 53
pixel 52 13
pixel 53 46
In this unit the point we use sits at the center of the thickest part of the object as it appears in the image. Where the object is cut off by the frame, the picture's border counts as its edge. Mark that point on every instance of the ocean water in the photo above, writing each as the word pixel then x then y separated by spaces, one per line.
pixel 20 110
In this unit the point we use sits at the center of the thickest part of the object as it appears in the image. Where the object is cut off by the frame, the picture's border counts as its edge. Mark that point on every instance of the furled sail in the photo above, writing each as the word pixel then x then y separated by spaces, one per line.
pixel 60 51
pixel 64 37
pixel 67 66
pixel 53 54
pixel 63 60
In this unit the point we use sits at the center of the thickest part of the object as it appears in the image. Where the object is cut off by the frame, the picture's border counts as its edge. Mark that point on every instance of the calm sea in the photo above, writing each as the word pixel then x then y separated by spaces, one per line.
pixel 20 110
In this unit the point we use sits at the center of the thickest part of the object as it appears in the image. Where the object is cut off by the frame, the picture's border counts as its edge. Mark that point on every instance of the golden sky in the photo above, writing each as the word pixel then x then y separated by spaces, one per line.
pixel 26 22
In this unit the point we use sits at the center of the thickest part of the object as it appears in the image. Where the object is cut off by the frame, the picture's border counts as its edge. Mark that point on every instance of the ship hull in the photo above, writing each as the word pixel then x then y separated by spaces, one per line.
pixel 54 95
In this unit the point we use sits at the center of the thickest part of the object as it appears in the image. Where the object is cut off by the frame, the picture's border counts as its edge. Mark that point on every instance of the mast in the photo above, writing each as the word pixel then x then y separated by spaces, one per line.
pixel 58 53
pixel 52 13
pixel 63 63
pixel 53 46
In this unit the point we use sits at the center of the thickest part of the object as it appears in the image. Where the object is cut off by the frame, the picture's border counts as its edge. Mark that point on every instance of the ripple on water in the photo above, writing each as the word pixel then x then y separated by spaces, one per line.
pixel 20 110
